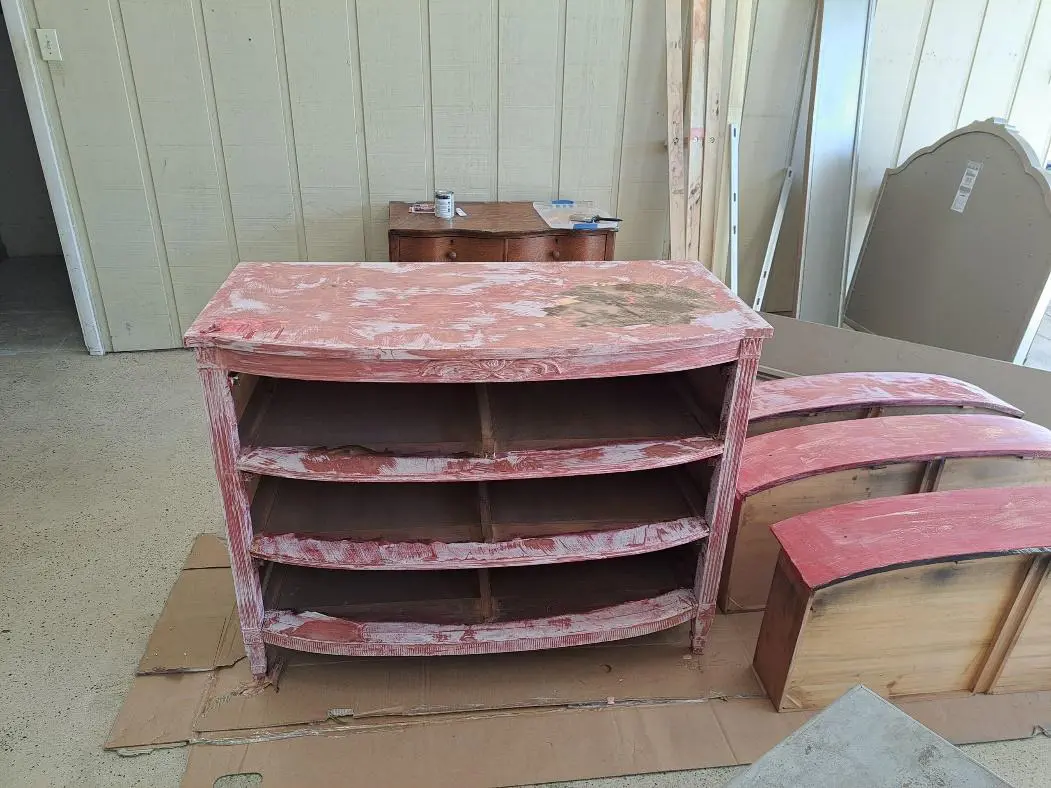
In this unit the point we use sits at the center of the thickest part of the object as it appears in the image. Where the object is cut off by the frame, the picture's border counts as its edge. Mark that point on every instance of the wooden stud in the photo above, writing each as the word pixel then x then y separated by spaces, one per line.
pixel 744 19
pixel 715 131
pixel 676 163
pixel 699 35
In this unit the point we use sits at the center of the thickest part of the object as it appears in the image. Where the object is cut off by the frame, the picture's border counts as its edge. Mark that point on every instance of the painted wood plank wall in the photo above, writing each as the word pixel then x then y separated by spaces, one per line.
pixel 934 65
pixel 204 132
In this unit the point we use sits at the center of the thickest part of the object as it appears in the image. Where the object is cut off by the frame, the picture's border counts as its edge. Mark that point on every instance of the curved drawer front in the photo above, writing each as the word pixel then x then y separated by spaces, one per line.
pixel 578 246
pixel 841 396
pixel 937 593
pixel 803 469
pixel 450 248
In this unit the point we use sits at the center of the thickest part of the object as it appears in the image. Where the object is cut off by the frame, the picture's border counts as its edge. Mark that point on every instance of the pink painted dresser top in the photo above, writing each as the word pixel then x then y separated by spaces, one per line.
pixel 472 310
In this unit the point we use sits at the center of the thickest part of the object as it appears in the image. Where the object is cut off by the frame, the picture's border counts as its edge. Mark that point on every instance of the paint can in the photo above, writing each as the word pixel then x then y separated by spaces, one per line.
pixel 444 204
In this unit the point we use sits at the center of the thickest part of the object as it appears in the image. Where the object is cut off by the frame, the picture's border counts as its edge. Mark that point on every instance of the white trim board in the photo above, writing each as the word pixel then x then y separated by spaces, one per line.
pixel 51 146
pixel 841 36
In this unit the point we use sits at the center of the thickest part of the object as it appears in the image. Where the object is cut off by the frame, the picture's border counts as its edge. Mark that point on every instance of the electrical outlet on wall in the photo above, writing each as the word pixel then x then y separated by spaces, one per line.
pixel 48 39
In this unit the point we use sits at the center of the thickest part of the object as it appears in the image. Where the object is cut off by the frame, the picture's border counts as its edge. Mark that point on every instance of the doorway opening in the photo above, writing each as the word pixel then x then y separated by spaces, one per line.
pixel 37 311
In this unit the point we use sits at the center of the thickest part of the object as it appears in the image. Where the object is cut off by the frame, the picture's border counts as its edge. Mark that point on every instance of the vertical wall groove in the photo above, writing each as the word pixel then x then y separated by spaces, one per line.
pixel 208 79
pixel 290 135
pixel 1025 56
pixel 139 135
pixel 494 112
pixel 354 50
pixel 560 69
pixel 428 110
pixel 900 137
pixel 622 111
pixel 970 67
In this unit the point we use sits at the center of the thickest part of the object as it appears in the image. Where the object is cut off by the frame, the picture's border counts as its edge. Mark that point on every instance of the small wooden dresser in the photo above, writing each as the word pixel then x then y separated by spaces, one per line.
pixel 491 232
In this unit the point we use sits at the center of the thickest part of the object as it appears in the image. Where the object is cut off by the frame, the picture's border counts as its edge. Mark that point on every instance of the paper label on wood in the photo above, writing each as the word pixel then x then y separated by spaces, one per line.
pixel 963 194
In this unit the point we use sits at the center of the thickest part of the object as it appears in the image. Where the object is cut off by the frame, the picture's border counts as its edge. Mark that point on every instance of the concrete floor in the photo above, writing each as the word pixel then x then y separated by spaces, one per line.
pixel 107 478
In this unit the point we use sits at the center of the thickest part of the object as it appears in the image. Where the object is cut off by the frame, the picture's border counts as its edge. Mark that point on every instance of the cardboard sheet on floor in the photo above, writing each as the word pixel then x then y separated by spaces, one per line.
pixel 502 719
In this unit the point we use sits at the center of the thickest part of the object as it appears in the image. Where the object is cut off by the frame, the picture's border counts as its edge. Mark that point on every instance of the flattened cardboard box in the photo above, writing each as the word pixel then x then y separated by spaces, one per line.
pixel 490 720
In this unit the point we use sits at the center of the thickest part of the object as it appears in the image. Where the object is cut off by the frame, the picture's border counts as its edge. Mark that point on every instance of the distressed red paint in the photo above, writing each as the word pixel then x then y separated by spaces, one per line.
pixel 471 323
pixel 856 390
pixel 346 466
pixel 834 544
pixel 563 548
pixel 330 635
pixel 779 457
pixel 462 313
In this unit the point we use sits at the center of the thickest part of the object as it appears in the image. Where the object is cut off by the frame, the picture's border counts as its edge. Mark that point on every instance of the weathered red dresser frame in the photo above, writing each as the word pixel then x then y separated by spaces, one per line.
pixel 607 326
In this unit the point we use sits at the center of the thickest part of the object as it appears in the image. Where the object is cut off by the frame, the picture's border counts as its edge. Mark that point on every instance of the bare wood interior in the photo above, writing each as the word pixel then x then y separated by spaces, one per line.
pixel 475 512
pixel 752 550
pixel 1026 665
pixel 461 596
pixel 476 419
pixel 915 631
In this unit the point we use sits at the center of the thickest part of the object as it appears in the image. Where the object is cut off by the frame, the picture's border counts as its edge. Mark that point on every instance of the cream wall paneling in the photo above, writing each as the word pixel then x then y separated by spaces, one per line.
pixel 938 65
pixel 934 65
pixel 191 134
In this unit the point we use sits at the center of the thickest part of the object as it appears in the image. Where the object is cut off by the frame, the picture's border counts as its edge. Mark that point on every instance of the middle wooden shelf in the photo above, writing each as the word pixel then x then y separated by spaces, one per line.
pixel 396 432
pixel 464 525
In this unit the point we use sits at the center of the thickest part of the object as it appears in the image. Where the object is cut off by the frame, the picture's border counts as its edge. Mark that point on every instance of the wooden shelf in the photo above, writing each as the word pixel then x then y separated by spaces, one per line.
pixel 430 613
pixel 327 635
pixel 441 431
pixel 463 525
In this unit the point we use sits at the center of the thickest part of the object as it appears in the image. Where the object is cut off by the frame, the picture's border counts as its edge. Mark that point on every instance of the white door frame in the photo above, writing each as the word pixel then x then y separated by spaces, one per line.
pixel 54 159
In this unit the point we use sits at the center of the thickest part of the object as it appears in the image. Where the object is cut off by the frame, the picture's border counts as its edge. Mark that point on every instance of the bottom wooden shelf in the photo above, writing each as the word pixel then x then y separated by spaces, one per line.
pixel 423 613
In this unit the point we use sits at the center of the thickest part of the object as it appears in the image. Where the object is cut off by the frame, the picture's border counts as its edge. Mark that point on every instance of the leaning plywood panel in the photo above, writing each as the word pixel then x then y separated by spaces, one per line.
pixel 958 253
pixel 799 470
pixel 910 598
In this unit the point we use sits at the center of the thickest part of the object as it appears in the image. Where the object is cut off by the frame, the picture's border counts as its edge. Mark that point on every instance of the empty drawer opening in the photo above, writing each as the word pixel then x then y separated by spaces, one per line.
pixel 476 420
pixel 479 596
